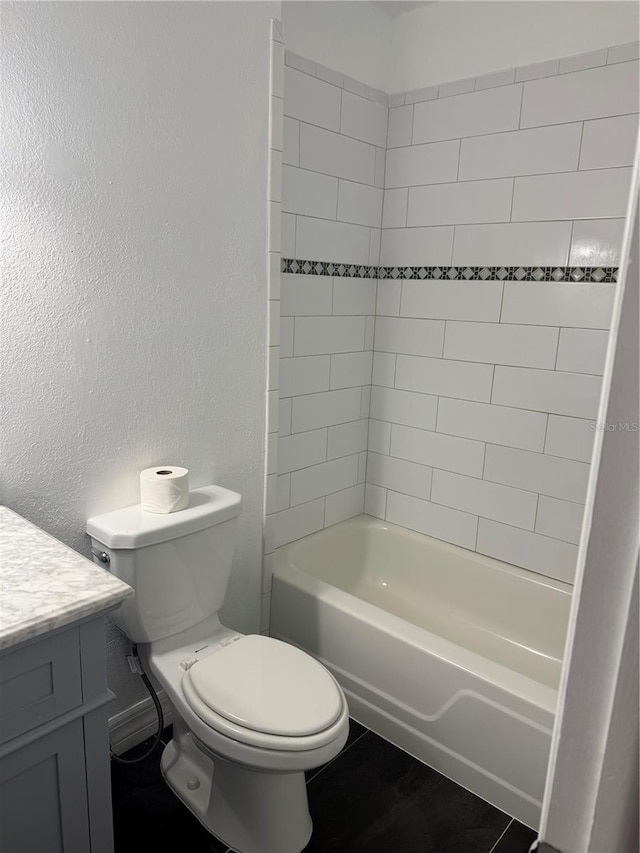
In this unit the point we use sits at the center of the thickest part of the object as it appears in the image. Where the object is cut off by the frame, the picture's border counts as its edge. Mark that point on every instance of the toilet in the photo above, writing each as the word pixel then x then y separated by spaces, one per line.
pixel 250 713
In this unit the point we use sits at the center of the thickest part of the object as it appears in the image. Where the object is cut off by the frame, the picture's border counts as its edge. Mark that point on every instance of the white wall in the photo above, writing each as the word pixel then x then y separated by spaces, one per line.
pixel 452 40
pixel 134 140
pixel 351 37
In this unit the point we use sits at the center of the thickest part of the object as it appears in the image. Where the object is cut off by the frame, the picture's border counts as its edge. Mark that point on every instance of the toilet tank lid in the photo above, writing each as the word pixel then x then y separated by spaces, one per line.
pixel 131 527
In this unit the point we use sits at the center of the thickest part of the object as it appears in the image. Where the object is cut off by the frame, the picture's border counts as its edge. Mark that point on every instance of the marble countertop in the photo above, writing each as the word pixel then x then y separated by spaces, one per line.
pixel 44 584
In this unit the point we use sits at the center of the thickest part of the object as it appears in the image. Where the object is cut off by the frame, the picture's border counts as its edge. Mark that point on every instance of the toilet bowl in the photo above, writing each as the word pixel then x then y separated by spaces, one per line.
pixel 250 713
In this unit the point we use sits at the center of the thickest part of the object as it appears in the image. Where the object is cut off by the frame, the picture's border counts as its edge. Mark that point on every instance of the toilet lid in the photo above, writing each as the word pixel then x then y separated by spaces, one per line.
pixel 267 686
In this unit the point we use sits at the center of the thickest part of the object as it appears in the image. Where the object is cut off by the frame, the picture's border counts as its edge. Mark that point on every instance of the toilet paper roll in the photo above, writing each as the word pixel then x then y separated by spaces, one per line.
pixel 164 489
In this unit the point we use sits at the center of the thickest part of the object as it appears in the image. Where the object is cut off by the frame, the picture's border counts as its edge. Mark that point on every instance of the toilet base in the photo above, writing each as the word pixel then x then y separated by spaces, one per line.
pixel 250 810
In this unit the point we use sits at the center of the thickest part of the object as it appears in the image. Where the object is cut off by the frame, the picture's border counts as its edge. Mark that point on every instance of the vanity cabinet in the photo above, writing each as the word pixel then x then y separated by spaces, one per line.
pixel 55 784
pixel 55 792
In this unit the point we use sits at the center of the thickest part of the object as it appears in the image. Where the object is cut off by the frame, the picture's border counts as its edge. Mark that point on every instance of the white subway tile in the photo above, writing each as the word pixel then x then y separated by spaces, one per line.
pixel 422 164
pixel 537 70
pixel 456 87
pixel 596 242
pixel 354 295
pixel 399 475
pixel 586 306
pixel 351 369
pixel 384 369
pixel 305 295
pixel 394 211
pixel 356 87
pixel 521 152
pixel 301 450
pixel 416 246
pixel 360 204
pixel 596 93
pixel 325 409
pixel 378 180
pixel 309 193
pixel 323 479
pixel 427 93
pixel 343 505
pixel 365 400
pixel 571 438
pixel 415 337
pixel 537 472
pixel 498 78
pixel 363 119
pixel 404 407
pixel 581 61
pixel 375 501
pixel 292 524
pixel 460 379
pixel 286 336
pixel 623 52
pixel 284 416
pixel 489 111
pixel 362 467
pixel 329 75
pixel 501 343
pixel 294 60
pixel 288 235
pixel 369 330
pixel 549 557
pixel 559 519
pixel 512 244
pixel 609 142
pixel 305 375
pixel 547 391
pixel 282 492
pixel 451 525
pixel 379 436
pixel 311 100
pixel 438 450
pixel 452 300
pixel 388 302
pixel 291 142
pixel 347 439
pixel 333 154
pixel 374 246
pixel 582 350
pixel 322 335
pixel 463 203
pixel 571 195
pixel 323 240
pixel 497 424
pixel 488 500
pixel 400 126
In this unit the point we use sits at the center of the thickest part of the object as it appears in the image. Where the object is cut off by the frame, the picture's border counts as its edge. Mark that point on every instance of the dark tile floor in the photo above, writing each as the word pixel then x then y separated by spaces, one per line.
pixel 373 798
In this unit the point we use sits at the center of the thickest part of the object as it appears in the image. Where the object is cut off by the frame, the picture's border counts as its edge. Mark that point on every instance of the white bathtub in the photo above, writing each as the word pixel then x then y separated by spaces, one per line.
pixel 452 656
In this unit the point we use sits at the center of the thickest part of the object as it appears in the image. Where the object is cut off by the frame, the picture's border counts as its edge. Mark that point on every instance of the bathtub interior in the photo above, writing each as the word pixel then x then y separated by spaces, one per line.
pixel 509 615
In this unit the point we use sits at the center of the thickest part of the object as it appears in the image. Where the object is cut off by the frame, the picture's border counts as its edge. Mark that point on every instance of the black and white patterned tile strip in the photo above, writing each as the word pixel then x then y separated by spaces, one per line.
pixel 554 274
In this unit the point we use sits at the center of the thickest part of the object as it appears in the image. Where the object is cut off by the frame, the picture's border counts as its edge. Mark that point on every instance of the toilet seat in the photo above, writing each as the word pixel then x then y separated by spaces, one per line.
pixel 265 693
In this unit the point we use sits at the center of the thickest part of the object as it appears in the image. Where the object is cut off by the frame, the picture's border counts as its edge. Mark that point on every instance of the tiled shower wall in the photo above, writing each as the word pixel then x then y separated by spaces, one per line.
pixel 485 378
pixel 335 132
pixel 485 391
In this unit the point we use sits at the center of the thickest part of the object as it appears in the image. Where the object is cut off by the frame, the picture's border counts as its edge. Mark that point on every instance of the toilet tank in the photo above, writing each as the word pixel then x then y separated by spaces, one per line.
pixel 178 563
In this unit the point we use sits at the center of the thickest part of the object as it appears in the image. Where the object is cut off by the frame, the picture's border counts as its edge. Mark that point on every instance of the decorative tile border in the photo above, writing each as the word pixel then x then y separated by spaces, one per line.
pixel 597 275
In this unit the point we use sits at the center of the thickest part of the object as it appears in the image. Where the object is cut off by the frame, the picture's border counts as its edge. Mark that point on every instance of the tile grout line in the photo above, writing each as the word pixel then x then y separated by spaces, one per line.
pixel 501 836
pixel 338 757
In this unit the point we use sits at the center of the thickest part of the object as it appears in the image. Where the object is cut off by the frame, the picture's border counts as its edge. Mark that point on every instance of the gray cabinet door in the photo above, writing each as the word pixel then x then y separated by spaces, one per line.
pixel 43 795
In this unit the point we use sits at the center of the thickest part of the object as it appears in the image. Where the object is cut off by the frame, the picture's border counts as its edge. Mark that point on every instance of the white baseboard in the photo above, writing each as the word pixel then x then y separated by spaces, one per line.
pixel 135 724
